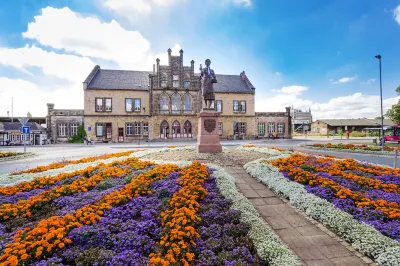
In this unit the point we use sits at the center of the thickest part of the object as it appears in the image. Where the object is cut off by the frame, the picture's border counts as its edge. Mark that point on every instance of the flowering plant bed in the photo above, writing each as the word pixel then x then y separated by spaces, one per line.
pixel 357 201
pixel 353 147
pixel 10 154
pixel 133 212
pixel 63 163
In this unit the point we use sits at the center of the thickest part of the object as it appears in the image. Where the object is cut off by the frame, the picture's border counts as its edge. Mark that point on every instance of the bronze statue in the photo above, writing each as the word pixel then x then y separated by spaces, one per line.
pixel 208 78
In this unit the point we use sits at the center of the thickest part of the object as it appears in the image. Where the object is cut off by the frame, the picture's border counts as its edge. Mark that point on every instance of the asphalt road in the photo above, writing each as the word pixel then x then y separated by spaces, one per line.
pixel 52 153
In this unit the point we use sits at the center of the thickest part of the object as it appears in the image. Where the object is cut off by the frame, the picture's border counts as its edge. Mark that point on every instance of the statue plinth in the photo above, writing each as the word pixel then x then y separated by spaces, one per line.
pixel 207 136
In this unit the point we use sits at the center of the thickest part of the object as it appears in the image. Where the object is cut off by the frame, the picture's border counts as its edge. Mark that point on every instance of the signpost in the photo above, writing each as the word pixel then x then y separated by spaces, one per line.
pixel 24 129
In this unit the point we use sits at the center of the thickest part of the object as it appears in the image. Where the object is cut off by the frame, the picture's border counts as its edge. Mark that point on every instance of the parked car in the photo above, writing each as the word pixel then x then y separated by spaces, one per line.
pixel 18 143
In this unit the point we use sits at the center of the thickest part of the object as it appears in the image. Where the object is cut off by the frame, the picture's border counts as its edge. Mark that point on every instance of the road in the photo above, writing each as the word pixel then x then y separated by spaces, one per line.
pixel 59 152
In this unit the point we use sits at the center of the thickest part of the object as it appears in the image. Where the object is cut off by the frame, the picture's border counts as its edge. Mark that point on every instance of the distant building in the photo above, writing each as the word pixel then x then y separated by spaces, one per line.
pixel 300 119
pixel 10 133
pixel 62 123
pixel 278 122
pixel 323 125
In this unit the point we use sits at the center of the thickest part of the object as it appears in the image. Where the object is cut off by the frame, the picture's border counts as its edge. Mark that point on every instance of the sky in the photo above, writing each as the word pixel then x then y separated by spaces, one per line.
pixel 306 54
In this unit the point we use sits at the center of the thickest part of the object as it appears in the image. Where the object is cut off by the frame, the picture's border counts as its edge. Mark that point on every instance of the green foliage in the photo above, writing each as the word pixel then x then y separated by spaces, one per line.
pixel 398 90
pixel 357 134
pixel 394 112
pixel 29 114
pixel 78 138
pixel 307 168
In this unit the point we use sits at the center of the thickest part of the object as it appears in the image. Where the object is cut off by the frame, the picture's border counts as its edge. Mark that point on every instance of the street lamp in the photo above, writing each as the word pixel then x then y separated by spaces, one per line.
pixel 379 57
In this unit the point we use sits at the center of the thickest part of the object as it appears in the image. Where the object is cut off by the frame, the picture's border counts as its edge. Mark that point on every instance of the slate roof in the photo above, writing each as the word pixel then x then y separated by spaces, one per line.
pixel 349 122
pixel 118 79
pixel 15 126
pixel 233 84
pixel 139 80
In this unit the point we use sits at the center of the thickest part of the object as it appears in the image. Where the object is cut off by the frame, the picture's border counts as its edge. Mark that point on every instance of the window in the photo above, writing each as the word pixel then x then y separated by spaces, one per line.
pixel 99 104
pixel 137 129
pixel 186 84
pixel 242 106
pixel 281 128
pixel 128 129
pixel 261 129
pixel 74 129
pixel 163 83
pixel 129 105
pixel 145 129
pixel 220 129
pixel 219 106
pixel 242 128
pixel 271 127
pixel 99 130
pixel 187 102
pixel 164 102
pixel 108 105
pixel 236 106
pixel 175 81
pixel 61 130
pixel 137 105
pixel 176 103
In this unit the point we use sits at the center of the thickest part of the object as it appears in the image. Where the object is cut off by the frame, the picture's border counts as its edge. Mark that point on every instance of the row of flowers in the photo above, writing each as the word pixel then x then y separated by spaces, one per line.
pixel 356 225
pixel 266 150
pixel 353 147
pixel 50 234
pixel 9 154
pixel 26 207
pixel 63 163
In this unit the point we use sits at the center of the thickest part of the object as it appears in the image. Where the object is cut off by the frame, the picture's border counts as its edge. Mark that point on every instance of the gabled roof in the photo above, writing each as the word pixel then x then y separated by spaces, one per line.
pixel 232 84
pixel 15 126
pixel 118 79
pixel 350 122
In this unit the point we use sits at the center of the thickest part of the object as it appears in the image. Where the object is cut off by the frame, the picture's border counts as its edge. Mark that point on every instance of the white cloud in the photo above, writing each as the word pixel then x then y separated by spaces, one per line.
pixel 70 67
pixel 127 7
pixel 396 14
pixel 29 97
pixel 87 36
pixel 370 81
pixel 279 74
pixel 245 3
pixel 351 106
pixel 292 90
pixel 343 80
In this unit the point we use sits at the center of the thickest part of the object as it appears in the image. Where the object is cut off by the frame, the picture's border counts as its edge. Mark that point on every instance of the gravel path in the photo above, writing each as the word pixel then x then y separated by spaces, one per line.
pixel 225 159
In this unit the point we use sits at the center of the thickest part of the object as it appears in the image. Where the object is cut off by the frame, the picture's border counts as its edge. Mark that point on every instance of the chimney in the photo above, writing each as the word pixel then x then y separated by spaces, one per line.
pixel 192 67
pixel 243 74
pixel 181 68
pixel 169 56
pixel 154 68
pixel 158 72
pixel 50 107
pixel 8 113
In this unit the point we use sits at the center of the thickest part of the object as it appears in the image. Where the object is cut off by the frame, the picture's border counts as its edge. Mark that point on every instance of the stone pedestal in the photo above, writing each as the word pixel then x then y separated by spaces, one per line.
pixel 207 136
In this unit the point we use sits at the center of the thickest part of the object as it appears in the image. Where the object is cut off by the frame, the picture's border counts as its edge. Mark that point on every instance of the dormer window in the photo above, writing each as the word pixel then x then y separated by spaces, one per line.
pixel 175 81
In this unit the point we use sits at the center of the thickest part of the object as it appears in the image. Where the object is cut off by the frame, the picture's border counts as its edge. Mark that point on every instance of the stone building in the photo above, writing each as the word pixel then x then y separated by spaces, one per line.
pixel 127 105
pixel 278 122
pixel 324 126
pixel 62 123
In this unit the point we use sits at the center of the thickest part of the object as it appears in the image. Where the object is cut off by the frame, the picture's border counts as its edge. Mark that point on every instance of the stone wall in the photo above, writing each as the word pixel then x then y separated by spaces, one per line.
pixel 266 118
pixel 118 101
pixel 67 117
pixel 227 103
pixel 227 125
pixel 319 128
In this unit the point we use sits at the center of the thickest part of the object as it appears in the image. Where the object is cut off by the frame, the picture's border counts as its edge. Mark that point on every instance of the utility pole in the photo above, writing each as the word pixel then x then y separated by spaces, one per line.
pixel 380 82
pixel 12 109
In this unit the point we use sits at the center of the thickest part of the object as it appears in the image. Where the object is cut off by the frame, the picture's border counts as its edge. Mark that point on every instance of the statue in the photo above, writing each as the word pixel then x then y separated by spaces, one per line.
pixel 208 78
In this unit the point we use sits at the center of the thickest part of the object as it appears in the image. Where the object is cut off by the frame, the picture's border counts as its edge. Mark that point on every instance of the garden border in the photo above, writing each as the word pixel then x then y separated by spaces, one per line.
pixel 22 156
pixel 348 150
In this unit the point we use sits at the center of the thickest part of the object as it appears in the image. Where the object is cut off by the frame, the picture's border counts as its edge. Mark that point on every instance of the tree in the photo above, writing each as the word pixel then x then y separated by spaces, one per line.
pixel 80 134
pixel 394 112
pixel 29 114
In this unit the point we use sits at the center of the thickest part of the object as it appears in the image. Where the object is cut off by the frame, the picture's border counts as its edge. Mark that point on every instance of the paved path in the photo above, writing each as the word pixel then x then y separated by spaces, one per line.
pixel 303 235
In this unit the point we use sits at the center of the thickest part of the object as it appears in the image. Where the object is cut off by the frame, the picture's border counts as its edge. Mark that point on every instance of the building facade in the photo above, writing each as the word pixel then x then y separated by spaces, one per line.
pixel 324 126
pixel 300 119
pixel 270 122
pixel 62 124
pixel 125 105
pixel 10 134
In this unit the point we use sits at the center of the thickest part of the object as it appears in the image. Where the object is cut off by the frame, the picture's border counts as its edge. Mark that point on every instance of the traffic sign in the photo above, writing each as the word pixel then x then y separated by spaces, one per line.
pixel 25 130
pixel 23 120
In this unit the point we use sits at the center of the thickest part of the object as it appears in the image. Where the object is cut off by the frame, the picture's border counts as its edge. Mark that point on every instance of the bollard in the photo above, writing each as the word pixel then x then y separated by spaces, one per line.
pixel 395 158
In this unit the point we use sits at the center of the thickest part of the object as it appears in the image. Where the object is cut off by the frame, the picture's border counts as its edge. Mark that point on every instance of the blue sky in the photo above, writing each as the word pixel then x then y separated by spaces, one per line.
pixel 313 53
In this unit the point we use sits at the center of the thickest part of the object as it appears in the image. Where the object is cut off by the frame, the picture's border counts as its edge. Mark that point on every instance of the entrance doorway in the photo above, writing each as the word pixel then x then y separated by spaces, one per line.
pixel 120 134
pixel 37 139
pixel 187 129
pixel 164 130
pixel 176 129
pixel 108 131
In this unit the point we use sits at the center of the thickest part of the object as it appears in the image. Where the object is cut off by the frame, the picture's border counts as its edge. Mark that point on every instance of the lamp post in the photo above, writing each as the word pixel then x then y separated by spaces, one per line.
pixel 379 57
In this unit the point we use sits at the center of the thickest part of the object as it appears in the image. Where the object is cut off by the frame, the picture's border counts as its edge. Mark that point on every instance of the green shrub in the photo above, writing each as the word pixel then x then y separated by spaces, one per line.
pixel 78 138
pixel 357 134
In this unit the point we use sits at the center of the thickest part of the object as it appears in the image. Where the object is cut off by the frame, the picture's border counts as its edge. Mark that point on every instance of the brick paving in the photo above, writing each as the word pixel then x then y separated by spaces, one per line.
pixel 301 234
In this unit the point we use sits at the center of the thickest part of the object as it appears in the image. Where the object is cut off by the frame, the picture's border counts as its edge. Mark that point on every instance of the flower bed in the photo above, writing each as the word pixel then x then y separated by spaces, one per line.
pixel 269 150
pixel 357 201
pixel 10 154
pixel 63 163
pixel 353 147
pixel 130 212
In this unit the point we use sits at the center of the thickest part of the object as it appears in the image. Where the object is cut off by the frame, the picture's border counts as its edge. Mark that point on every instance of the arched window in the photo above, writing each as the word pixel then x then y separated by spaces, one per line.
pixel 187 102
pixel 164 102
pixel 176 103
pixel 187 129
pixel 176 129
